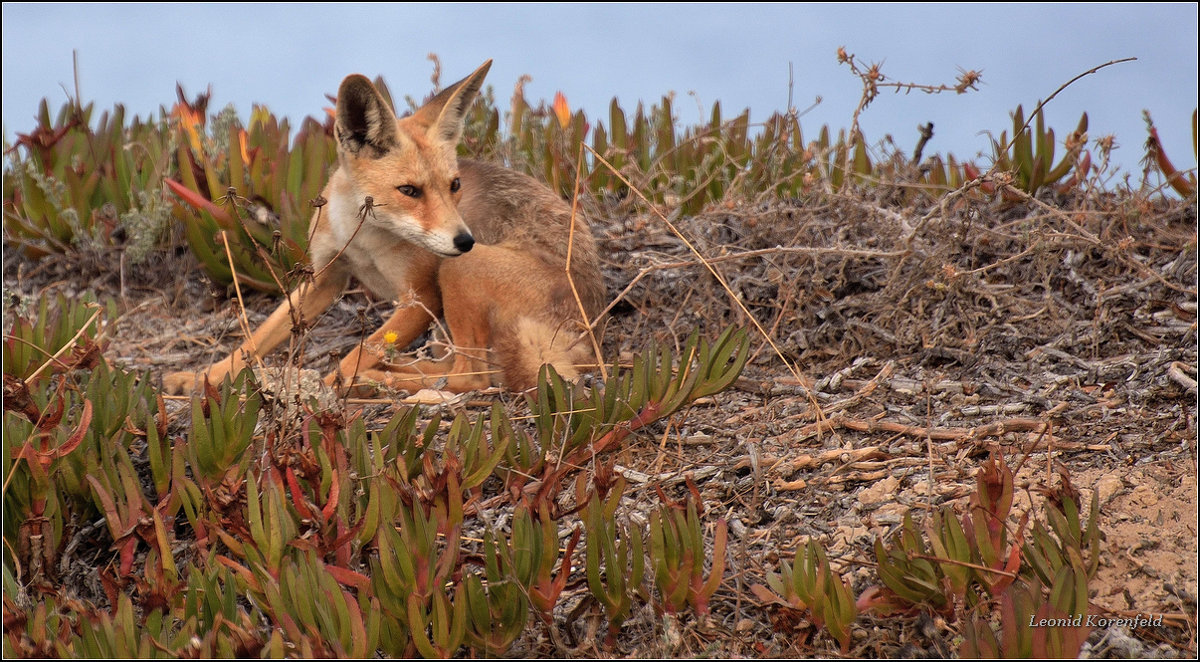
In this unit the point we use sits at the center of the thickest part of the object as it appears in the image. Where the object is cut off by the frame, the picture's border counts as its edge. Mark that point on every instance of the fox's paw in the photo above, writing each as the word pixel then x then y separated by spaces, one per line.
pixel 359 387
pixel 182 383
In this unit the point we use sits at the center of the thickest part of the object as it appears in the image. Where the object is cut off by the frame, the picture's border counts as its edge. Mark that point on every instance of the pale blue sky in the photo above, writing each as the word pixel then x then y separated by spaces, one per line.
pixel 289 56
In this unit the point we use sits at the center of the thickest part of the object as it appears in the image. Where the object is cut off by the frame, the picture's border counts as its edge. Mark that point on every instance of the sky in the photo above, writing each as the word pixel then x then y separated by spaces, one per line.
pixel 288 57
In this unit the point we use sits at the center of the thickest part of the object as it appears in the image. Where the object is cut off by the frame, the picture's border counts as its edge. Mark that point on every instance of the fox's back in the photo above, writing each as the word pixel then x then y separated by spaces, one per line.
pixel 508 208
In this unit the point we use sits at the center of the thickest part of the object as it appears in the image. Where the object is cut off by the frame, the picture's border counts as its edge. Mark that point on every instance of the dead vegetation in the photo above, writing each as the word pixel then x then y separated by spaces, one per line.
pixel 1060 330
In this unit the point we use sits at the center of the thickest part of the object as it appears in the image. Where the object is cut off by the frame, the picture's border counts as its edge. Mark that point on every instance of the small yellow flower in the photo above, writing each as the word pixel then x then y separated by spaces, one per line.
pixel 391 337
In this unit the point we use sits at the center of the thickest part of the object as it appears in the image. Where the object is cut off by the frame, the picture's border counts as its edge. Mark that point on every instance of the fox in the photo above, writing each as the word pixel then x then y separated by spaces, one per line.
pixel 474 243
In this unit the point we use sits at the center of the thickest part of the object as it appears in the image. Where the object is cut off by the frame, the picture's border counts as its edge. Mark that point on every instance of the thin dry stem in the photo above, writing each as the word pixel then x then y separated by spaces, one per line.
pixel 70 343
pixel 242 320
pixel 589 325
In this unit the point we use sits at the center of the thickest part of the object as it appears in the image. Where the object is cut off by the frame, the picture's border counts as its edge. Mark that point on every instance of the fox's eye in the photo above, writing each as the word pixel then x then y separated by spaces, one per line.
pixel 455 185
pixel 409 190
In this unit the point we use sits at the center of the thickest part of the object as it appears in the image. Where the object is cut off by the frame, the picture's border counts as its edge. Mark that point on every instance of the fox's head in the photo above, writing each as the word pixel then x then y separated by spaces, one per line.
pixel 408 167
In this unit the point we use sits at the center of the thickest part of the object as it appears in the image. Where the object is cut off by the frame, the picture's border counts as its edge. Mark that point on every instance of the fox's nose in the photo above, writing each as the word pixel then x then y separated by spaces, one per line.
pixel 463 241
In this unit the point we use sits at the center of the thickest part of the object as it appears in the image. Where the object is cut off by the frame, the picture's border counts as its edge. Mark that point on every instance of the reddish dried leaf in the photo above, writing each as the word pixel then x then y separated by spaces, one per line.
pixel 18 399
pixel 298 499
pixel 72 442
pixel 335 490
pixel 51 418
pixel 349 578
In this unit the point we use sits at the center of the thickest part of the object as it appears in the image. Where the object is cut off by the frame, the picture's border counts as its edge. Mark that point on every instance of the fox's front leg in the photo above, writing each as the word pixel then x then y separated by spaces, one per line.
pixel 465 372
pixel 310 300
pixel 407 323
pixel 467 314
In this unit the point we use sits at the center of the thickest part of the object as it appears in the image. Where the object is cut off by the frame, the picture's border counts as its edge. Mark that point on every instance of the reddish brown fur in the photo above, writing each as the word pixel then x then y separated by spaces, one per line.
pixel 488 255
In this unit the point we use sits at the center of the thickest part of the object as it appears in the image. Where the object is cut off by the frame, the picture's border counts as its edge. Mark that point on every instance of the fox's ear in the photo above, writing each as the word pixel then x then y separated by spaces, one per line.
pixel 445 112
pixel 364 119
